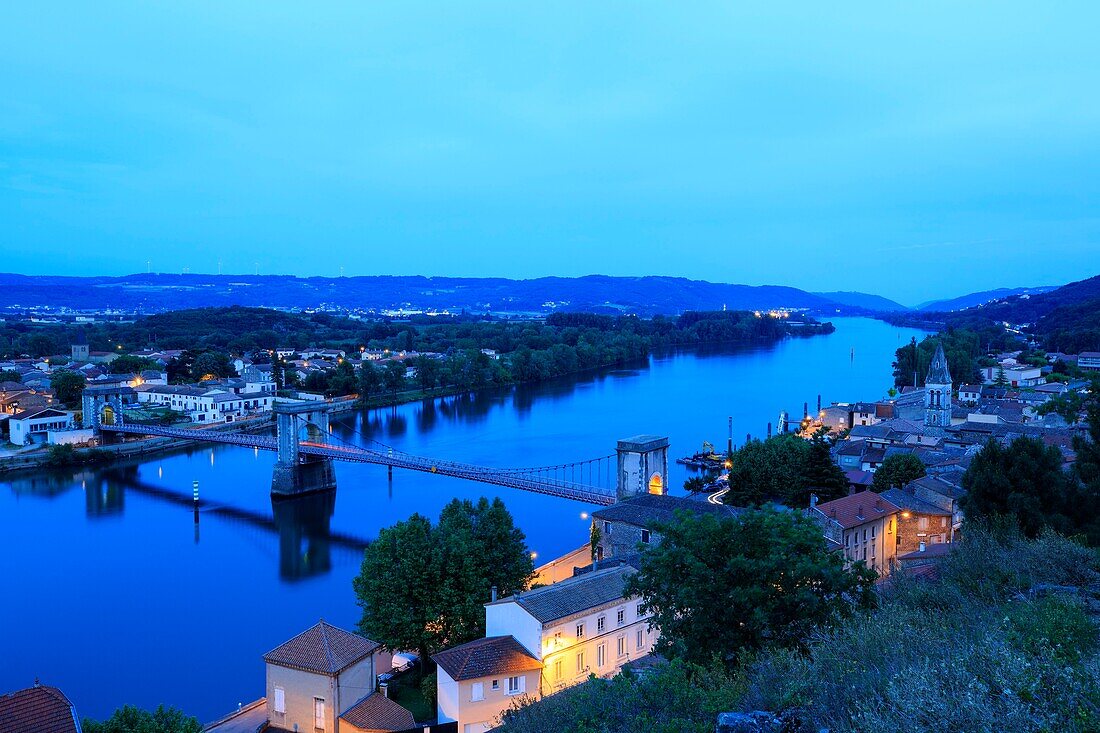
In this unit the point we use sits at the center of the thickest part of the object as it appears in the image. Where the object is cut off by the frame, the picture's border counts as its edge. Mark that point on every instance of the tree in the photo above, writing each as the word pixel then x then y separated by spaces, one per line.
pixel 1086 472
pixel 393 376
pixel 1068 406
pixel 128 364
pixel 1024 484
pixel 210 364
pixel 67 386
pixel 424 588
pixel 769 470
pixel 342 380
pixel 396 588
pixel 428 372
pixel 897 470
pixel 823 476
pixel 717 587
pixel 370 380
pixel 1002 379
pixel 130 719
pixel 10 375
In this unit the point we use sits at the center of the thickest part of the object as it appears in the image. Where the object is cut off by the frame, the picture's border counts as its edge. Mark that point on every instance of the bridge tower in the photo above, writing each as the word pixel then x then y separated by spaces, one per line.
pixel 104 405
pixel 643 466
pixel 293 472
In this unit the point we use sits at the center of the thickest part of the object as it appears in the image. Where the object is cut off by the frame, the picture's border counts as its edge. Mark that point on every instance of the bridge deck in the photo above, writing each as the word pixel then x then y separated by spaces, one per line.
pixel 528 479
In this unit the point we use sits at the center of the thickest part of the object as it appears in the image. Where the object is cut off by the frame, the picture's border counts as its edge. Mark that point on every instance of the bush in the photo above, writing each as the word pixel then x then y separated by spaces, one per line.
pixel 427 689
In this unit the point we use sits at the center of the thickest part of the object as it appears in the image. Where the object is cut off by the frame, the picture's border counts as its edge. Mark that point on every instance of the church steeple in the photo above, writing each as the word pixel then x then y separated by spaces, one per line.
pixel 937 391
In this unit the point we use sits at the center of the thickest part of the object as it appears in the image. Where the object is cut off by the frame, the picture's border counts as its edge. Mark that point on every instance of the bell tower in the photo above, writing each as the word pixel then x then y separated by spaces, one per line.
pixel 937 391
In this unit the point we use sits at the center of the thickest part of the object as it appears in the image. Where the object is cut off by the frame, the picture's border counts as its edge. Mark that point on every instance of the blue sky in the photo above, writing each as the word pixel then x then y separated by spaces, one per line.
pixel 916 150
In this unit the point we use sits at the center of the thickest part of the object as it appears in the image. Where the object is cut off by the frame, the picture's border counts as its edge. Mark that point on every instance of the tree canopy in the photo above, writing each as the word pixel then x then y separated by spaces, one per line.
pixel 717 587
pixel 897 470
pixel 784 468
pixel 130 719
pixel 422 587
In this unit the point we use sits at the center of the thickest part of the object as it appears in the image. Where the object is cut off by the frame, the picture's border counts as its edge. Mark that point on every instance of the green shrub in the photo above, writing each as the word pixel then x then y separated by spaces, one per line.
pixel 1055 622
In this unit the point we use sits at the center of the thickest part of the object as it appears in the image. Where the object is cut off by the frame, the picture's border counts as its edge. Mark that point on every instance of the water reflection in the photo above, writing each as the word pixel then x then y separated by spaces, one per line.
pixel 303 524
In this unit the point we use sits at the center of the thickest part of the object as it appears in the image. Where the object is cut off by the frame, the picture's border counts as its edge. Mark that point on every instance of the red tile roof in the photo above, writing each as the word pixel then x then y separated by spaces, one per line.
pixel 852 511
pixel 323 649
pixel 38 709
pixel 484 657
pixel 376 712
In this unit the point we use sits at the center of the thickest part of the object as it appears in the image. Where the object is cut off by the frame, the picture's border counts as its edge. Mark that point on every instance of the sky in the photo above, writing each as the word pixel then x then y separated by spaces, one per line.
pixel 914 150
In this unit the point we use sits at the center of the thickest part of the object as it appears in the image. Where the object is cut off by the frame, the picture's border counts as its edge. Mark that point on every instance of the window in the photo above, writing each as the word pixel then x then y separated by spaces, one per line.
pixel 847 538
pixel 600 622
pixel 640 640
pixel 280 700
pixel 319 713
pixel 943 521
pixel 872 532
pixel 580 631
pixel 639 611
pixel 516 685
pixel 580 662
pixel 607 527
pixel 620 646
pixel 477 691
pixel 496 684
pixel 601 655
pixel 557 670
pixel 645 536
pixel 620 617
pixel 922 523
pixel 865 534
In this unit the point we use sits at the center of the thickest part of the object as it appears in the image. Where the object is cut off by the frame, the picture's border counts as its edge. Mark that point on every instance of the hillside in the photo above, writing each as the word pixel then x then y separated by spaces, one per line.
pixel 598 293
pixel 866 301
pixel 970 300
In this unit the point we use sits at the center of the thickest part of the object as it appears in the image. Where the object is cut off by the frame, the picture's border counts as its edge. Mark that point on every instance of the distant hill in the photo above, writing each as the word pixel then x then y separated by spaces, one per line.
pixel 975 299
pixel 596 293
pixel 866 301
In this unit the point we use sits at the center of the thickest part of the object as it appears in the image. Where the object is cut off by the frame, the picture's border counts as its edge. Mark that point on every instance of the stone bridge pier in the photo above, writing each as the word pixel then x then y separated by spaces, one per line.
pixel 295 473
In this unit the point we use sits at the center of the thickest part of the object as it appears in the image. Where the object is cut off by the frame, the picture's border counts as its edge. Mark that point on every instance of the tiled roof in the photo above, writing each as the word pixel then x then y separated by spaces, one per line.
pixel 854 510
pixel 376 712
pixel 484 657
pixel 36 413
pixel 573 595
pixel 38 709
pixel 907 502
pixel 646 510
pixel 322 648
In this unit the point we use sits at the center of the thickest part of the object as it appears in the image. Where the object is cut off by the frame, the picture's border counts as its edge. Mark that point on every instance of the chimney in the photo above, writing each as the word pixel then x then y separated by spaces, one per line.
pixel 859 512
pixel 832 513
pixel 813 501
pixel 493 594
pixel 921 547
pixel 384 688
pixel 878 504
pixel 769 430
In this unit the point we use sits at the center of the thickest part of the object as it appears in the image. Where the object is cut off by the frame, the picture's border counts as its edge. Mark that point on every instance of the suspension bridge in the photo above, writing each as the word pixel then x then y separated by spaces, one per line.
pixel 591 481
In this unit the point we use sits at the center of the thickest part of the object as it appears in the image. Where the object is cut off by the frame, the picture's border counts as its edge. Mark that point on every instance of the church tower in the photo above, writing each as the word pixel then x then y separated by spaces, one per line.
pixel 937 391
pixel 80 347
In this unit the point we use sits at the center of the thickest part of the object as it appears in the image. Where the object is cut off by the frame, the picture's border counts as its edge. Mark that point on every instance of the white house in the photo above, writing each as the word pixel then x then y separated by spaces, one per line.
pixel 32 426
pixel 1089 360
pixel 206 404
pixel 541 641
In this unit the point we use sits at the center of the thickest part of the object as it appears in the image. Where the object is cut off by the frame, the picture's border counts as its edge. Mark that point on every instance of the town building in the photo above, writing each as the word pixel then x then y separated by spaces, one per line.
pixel 33 426
pixel 937 391
pixel 541 641
pixel 864 524
pixel 321 675
pixel 920 523
pixel 630 524
pixel 1089 360
pixel 38 709
pixel 206 404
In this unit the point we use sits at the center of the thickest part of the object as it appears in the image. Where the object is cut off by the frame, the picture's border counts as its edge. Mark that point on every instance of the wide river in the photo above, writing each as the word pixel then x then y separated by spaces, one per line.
pixel 115 595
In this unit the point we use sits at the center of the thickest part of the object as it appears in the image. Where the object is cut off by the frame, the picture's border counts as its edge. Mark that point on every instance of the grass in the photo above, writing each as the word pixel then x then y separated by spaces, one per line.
pixel 405 691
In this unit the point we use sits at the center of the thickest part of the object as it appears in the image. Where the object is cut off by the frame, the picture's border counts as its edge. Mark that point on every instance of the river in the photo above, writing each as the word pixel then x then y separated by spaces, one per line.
pixel 115 595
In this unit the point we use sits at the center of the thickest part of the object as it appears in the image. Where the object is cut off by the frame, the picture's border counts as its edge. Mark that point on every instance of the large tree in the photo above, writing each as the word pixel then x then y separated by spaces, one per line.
pixel 716 587
pixel 423 587
pixel 130 719
pixel 1023 483
pixel 768 470
pixel 823 477
pixel 396 588
pixel 1086 472
pixel 898 470
pixel 67 386
pixel 370 380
